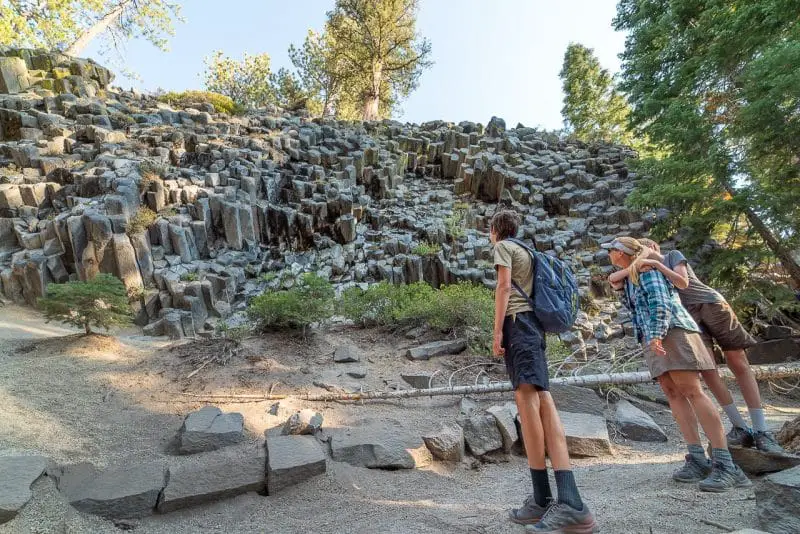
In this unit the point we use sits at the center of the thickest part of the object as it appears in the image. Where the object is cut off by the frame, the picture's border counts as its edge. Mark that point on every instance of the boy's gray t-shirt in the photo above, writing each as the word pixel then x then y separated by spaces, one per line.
pixel 697 292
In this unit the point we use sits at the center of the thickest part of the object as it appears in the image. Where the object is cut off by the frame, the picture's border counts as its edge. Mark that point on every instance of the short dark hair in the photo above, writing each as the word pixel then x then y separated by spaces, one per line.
pixel 505 224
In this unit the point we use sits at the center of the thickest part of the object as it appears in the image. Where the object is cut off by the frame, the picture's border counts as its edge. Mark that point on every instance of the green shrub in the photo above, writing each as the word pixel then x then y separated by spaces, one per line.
pixel 221 103
pixel 311 300
pixel 426 249
pixel 100 302
pixel 466 309
pixel 454 224
pixel 141 220
pixel 190 277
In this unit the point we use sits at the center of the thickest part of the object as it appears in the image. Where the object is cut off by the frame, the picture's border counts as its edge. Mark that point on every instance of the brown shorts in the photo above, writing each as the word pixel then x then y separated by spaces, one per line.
pixel 685 352
pixel 719 323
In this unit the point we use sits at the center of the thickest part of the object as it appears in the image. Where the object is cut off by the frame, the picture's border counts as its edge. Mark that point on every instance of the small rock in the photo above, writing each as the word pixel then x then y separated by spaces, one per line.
pixel 419 380
pixel 467 406
pixel 17 474
pixel 756 462
pixel 481 434
pixel 356 372
pixel 636 424
pixel 447 444
pixel 587 435
pixel 208 429
pixel 507 425
pixel 436 348
pixel 777 502
pixel 303 422
pixel 291 460
pixel 347 354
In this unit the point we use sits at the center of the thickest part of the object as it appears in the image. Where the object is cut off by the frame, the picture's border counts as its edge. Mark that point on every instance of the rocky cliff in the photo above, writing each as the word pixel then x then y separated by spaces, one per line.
pixel 238 197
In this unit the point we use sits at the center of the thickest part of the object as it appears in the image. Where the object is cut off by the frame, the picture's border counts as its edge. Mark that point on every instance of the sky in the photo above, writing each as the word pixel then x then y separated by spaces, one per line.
pixel 491 57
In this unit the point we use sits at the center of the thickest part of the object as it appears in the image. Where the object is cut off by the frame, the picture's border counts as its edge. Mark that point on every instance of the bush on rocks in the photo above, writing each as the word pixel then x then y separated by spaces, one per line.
pixel 141 220
pixel 101 302
pixel 311 300
pixel 221 103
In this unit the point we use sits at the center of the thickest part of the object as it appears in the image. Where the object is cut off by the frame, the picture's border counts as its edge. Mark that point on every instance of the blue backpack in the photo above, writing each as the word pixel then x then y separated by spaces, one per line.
pixel 555 291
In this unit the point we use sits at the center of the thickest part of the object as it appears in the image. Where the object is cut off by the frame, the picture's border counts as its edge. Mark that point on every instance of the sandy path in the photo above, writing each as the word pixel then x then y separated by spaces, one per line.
pixel 104 405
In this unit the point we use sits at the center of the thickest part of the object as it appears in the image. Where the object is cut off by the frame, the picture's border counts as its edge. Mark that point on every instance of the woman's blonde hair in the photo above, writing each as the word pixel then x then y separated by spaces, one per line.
pixel 640 252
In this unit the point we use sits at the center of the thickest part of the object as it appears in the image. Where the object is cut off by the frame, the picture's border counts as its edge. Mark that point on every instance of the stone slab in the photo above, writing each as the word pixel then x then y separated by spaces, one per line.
pixel 778 502
pixel 436 348
pixel 291 460
pixel 587 435
pixel 209 429
pixel 384 444
pixel 17 474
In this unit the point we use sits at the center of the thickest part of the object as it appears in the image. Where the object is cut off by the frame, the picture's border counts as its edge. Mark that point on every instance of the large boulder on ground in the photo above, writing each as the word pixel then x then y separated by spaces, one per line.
pixel 576 399
pixel 778 502
pixel 756 462
pixel 505 417
pixel 635 424
pixel 789 435
pixel 17 473
pixel 587 435
pixel 208 429
pixel 291 460
pixel 447 443
pixel 214 476
pixel 121 492
pixel 383 444
pixel 481 433
pixel 436 348
pixel 774 351
pixel 347 354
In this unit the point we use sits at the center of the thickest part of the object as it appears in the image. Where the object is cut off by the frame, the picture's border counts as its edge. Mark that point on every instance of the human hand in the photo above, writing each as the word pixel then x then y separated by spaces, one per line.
pixel 657 347
pixel 497 345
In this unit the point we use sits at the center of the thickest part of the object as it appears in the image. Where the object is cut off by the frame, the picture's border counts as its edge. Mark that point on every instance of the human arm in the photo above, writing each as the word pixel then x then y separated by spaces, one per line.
pixel 501 294
pixel 679 276
pixel 617 278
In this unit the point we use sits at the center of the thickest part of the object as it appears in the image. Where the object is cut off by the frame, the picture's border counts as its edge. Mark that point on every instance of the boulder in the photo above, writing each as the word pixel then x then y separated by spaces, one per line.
pixel 303 422
pixel 576 399
pixel 774 351
pixel 436 348
pixel 121 492
pixel 216 475
pixel 481 433
pixel 635 424
pixel 789 435
pixel 291 460
pixel 347 354
pixel 587 435
pixel 17 474
pixel 778 502
pixel 208 429
pixel 756 462
pixel 417 380
pixel 383 444
pixel 447 443
pixel 505 417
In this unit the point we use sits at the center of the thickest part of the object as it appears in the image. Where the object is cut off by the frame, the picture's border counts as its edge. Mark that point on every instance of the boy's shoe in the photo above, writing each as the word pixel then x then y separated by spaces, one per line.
pixel 765 442
pixel 561 518
pixel 692 471
pixel 740 437
pixel 721 479
pixel 530 512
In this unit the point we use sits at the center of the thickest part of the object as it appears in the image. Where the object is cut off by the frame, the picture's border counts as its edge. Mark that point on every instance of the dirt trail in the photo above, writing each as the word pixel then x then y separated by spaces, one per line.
pixel 112 399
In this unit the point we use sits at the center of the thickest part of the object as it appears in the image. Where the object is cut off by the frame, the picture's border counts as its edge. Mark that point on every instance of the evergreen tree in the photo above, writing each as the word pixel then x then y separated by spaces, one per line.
pixel 100 302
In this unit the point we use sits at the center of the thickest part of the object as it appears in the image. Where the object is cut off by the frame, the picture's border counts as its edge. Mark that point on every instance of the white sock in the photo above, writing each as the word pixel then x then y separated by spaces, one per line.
pixel 734 415
pixel 758 418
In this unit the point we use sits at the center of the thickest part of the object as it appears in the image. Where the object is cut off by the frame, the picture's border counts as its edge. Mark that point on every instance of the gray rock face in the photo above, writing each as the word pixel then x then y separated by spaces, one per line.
pixel 417 380
pixel 347 354
pixel 17 474
pixel 303 422
pixel 382 444
pixel 577 399
pixel 123 492
pixel 217 475
pixel 778 502
pixel 291 460
pixel 587 435
pixel 208 429
pixel 755 462
pixel 506 423
pixel 774 351
pixel 636 424
pixel 437 348
pixel 481 434
pixel 446 444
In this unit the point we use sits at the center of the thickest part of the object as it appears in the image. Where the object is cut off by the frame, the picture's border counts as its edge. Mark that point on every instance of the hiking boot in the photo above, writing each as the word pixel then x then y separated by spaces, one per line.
pixel 739 437
pixel 765 442
pixel 723 479
pixel 530 512
pixel 692 471
pixel 564 519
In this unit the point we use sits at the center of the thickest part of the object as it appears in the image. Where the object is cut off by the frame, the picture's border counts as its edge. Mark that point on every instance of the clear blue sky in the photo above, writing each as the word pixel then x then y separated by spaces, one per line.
pixel 492 57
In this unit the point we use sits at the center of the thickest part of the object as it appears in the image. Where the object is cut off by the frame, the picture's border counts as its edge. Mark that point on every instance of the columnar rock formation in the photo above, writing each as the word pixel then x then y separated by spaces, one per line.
pixel 238 197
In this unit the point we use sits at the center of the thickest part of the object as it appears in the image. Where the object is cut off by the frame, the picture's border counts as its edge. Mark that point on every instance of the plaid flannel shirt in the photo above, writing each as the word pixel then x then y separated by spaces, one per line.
pixel 656 307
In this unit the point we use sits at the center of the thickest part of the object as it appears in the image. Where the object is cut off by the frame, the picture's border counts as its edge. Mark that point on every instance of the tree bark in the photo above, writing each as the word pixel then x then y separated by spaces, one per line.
pixel 782 253
pixel 99 27
pixel 87 328
pixel 373 99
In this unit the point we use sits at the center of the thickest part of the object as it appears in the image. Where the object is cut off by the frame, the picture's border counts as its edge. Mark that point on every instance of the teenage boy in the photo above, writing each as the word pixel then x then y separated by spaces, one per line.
pixel 719 323
pixel 519 339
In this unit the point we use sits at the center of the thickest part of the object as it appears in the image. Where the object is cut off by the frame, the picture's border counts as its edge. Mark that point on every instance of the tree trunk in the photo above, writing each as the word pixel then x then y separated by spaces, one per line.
pixel 373 99
pixel 99 27
pixel 87 328
pixel 782 253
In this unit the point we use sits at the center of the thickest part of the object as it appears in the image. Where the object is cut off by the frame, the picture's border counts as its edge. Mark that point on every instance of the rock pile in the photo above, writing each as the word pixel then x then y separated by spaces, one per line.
pixel 238 197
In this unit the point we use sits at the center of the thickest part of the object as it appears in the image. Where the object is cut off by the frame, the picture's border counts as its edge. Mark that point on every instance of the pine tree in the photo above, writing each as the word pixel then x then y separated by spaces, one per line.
pixel 101 302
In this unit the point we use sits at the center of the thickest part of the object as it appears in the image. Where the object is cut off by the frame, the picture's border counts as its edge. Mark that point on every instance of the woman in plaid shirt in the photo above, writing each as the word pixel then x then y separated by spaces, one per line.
pixel 675 355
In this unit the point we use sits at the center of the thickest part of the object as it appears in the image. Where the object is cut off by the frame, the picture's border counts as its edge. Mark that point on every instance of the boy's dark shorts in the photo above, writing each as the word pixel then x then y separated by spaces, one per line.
pixel 525 358
pixel 719 323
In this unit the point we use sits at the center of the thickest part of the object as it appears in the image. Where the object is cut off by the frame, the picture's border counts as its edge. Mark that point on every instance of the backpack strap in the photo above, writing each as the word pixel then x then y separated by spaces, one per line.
pixel 532 252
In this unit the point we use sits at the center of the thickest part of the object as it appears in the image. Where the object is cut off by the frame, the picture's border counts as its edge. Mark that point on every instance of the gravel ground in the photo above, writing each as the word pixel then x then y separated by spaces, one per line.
pixel 112 400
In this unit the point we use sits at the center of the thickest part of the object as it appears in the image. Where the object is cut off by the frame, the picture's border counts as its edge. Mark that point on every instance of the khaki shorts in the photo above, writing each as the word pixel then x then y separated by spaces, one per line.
pixel 685 352
pixel 719 323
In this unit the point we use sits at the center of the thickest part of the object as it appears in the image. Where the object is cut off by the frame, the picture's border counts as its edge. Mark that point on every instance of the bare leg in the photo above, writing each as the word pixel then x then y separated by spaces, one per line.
pixel 554 435
pixel 682 410
pixel 688 383
pixel 527 399
pixel 717 386
pixel 740 367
